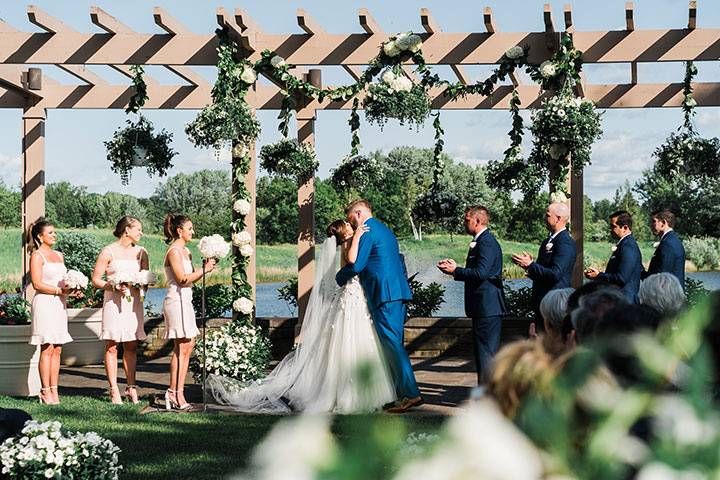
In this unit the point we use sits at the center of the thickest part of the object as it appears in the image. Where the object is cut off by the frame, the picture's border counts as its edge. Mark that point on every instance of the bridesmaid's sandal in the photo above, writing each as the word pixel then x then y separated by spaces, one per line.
pixel 56 396
pixel 185 406
pixel 131 394
pixel 41 397
pixel 169 401
pixel 115 397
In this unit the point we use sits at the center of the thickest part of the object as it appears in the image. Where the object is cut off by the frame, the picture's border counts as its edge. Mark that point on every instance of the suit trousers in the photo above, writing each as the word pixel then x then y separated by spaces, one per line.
pixel 389 321
pixel 486 333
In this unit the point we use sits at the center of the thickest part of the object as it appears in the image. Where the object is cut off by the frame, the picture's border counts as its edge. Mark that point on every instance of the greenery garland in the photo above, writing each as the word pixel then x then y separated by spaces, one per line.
pixel 686 152
pixel 137 145
pixel 289 158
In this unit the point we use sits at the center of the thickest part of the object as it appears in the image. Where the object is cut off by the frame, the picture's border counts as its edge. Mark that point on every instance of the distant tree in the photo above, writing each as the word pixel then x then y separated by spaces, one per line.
pixel 277 210
pixel 526 221
pixel 329 206
pixel 625 200
pixel 10 206
pixel 115 205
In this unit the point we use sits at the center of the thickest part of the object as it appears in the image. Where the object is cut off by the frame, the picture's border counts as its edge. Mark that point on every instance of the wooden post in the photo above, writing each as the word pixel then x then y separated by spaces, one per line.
pixel 306 204
pixel 33 184
pixel 577 224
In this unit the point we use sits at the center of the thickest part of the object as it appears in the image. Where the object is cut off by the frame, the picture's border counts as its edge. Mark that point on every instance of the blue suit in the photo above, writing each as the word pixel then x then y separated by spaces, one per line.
pixel 624 268
pixel 669 257
pixel 484 302
pixel 384 281
pixel 553 267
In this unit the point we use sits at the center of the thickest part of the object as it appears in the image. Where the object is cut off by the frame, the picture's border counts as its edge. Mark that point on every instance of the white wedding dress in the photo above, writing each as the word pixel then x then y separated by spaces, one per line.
pixel 338 365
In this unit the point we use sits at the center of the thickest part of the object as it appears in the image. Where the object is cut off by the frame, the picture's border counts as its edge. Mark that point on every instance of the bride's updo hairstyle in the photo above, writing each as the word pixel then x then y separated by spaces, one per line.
pixel 122 224
pixel 337 229
pixel 172 224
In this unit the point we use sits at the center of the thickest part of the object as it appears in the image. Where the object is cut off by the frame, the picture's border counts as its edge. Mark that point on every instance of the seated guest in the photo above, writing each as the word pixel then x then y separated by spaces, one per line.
pixel 664 293
pixel 592 308
pixel 626 319
pixel 553 309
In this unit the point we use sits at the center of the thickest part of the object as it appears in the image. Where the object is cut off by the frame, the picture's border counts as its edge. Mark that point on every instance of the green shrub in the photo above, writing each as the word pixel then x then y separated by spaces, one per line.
pixel 80 251
pixel 519 302
pixel 426 299
pixel 218 300
pixel 289 293
pixel 14 310
pixel 702 251
pixel 695 291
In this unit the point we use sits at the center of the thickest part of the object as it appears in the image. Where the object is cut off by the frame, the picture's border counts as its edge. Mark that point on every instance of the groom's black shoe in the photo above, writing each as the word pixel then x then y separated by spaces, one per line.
pixel 405 404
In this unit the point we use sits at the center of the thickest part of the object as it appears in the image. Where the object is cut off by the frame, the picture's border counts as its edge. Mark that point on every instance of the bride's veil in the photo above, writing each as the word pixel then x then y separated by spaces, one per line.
pixel 266 395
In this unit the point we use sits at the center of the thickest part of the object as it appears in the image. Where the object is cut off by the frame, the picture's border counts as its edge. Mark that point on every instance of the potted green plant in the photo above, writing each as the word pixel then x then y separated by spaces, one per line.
pixel 18 359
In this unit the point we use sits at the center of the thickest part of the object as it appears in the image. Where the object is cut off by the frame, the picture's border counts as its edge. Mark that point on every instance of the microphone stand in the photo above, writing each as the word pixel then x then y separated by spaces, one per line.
pixel 204 342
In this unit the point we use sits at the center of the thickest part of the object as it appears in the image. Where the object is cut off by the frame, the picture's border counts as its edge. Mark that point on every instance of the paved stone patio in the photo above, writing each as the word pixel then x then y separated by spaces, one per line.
pixel 445 383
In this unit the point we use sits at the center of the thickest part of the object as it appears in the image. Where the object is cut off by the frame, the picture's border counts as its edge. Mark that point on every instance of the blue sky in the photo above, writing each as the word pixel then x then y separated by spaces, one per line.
pixel 75 152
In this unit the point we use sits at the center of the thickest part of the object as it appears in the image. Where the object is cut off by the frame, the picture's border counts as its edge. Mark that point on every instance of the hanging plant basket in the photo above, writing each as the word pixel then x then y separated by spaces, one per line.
pixel 137 145
pixel 289 158
pixel 397 97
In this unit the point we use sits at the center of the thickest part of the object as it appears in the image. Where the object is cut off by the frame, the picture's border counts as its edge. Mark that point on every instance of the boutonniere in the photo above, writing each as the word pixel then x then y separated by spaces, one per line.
pixel 656 244
pixel 472 245
pixel 548 246
pixel 613 248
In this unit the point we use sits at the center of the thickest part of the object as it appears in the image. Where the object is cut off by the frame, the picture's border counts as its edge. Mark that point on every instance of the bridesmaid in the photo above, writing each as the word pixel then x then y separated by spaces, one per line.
pixel 180 324
pixel 122 313
pixel 49 317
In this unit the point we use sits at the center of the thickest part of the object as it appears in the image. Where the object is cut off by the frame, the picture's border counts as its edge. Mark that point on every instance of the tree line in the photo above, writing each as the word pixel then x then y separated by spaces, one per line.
pixel 397 186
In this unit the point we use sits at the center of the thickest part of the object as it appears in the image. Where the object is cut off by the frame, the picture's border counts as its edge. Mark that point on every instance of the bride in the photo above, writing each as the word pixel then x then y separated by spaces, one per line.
pixel 338 365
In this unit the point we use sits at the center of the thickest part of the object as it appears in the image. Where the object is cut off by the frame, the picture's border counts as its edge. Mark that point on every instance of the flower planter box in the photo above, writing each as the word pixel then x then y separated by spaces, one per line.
pixel 19 374
pixel 86 348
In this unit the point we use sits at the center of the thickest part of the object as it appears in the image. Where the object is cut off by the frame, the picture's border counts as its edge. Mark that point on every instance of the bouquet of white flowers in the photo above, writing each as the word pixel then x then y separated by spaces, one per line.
pixel 143 279
pixel 122 280
pixel 75 280
pixel 43 450
pixel 239 352
pixel 213 246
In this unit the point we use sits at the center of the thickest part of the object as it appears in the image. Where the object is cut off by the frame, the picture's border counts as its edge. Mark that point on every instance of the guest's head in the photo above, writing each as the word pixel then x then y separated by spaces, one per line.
pixel 592 308
pixel 43 232
pixel 178 227
pixel 358 212
pixel 476 218
pixel 585 289
pixel 521 369
pixel 661 221
pixel 128 227
pixel 621 223
pixel 341 230
pixel 553 308
pixel 663 292
pixel 626 319
pixel 557 216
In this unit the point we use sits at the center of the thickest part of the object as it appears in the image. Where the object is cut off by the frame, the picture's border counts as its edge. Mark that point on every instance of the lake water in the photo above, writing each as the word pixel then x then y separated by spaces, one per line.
pixel 268 305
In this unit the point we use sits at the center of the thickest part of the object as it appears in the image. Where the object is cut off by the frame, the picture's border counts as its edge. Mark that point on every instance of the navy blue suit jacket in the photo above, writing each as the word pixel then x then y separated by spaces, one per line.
pixel 624 268
pixel 553 267
pixel 379 266
pixel 483 278
pixel 669 257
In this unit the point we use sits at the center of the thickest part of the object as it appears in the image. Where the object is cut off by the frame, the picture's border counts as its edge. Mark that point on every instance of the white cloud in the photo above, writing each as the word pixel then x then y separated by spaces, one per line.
pixel 10 170
pixel 708 117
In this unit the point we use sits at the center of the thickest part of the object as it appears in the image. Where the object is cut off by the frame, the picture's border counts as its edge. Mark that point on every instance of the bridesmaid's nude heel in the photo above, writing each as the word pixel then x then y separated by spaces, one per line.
pixel 115 397
pixel 41 398
pixel 169 404
pixel 131 394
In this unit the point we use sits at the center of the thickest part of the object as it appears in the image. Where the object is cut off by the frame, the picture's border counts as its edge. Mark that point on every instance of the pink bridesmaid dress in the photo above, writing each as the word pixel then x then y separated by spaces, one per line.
pixel 177 307
pixel 49 317
pixel 123 318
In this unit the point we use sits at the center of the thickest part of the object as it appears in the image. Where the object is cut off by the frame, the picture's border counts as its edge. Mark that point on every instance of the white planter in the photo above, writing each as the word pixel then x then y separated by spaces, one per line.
pixel 84 325
pixel 18 362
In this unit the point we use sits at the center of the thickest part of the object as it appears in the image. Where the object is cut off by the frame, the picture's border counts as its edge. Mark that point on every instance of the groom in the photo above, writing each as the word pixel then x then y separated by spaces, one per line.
pixel 382 277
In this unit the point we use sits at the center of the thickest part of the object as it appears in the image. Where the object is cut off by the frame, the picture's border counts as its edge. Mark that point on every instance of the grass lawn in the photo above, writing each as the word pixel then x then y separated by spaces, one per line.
pixel 172 446
pixel 277 263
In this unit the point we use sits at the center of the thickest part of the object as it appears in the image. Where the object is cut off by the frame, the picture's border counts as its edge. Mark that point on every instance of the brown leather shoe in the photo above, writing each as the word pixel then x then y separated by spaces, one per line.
pixel 405 404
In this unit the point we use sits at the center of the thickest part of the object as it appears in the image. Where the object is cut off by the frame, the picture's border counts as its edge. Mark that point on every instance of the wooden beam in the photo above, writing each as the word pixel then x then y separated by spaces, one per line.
pixel 488 19
pixel 354 72
pixel 633 73
pixel 107 22
pixel 428 22
pixel 692 15
pixel 81 72
pixel 168 23
pixel 308 24
pixel 45 21
pixel 367 22
pixel 246 38
pixel 629 20
pixel 549 27
pixel 245 22
pixel 188 74
pixel 568 18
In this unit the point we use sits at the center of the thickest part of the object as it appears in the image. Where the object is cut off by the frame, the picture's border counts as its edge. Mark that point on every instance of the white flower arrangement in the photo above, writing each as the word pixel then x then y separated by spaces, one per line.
pixel 402 42
pixel 122 280
pixel 248 75
pixel 75 280
pixel 43 450
pixel 246 250
pixel 513 53
pixel 558 197
pixel 213 246
pixel 397 83
pixel 243 305
pixel 241 238
pixel 242 206
pixel 239 352
pixel 277 61
pixel 143 279
pixel 547 69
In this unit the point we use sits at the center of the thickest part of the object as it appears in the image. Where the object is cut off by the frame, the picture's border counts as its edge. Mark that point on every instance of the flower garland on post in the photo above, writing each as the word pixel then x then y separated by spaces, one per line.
pixel 686 152
pixel 137 145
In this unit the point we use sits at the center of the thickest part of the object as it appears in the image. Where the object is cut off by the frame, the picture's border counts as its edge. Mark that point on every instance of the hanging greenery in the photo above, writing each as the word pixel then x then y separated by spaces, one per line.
pixel 137 145
pixel 396 97
pixel 289 158
pixel 686 151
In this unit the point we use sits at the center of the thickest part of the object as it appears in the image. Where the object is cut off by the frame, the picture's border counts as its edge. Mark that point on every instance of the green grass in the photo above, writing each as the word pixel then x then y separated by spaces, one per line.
pixel 277 263
pixel 172 446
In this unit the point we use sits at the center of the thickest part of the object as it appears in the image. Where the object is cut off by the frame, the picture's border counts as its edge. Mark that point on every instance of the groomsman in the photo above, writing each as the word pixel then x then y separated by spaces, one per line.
pixel 625 263
pixel 669 255
pixel 482 275
pixel 556 258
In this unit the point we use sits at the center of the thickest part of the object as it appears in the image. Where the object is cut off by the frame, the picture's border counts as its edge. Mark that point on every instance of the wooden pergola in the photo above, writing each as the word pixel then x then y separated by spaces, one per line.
pixel 178 49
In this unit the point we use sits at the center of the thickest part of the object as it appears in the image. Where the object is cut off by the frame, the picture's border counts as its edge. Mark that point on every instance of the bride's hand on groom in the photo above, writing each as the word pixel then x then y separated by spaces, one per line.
pixel 360 231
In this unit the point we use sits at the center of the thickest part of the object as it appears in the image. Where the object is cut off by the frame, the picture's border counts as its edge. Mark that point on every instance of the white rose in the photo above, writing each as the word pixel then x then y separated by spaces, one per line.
pixel 406 41
pixel 561 113
pixel 277 61
pixel 415 43
pixel 248 75
pixel 388 77
pixel 242 206
pixel 547 69
pixel 558 197
pixel 391 49
pixel 243 305
pixel 513 53
pixel 241 238
pixel 246 250
pixel 690 102
pixel 403 84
